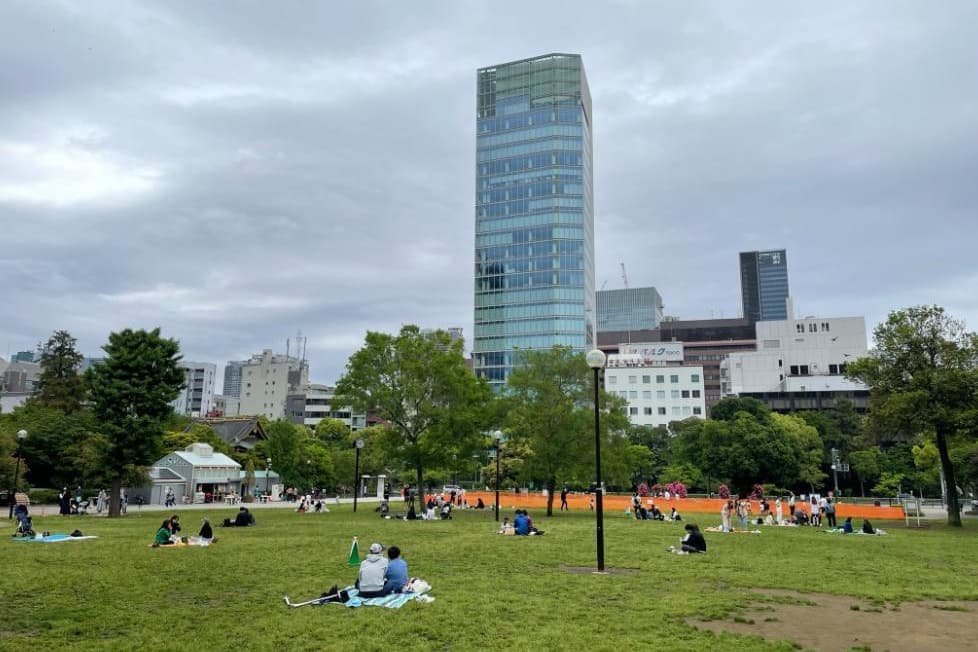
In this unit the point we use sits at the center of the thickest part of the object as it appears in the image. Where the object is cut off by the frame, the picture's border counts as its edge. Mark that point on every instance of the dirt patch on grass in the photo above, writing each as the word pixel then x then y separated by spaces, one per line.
pixel 582 570
pixel 831 622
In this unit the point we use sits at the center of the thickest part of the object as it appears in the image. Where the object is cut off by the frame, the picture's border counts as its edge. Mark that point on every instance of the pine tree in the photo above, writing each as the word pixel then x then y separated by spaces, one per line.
pixel 131 394
pixel 60 385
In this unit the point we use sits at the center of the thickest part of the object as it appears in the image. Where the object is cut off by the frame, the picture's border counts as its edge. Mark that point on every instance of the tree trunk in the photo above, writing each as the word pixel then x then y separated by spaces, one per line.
pixel 551 485
pixel 862 486
pixel 115 499
pixel 950 485
pixel 421 506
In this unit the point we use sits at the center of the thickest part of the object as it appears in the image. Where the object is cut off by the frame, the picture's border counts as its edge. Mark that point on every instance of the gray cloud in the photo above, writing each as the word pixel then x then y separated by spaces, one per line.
pixel 236 174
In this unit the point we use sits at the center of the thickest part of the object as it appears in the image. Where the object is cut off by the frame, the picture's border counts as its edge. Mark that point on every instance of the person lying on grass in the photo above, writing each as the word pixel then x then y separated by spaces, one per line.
pixel 694 541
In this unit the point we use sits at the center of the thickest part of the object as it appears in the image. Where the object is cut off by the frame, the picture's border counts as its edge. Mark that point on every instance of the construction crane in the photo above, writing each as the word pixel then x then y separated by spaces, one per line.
pixel 624 278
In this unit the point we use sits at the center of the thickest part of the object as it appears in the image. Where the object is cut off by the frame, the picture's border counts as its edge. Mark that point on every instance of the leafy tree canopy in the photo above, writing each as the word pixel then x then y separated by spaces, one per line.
pixel 923 379
pixel 550 399
pixel 131 394
pixel 419 384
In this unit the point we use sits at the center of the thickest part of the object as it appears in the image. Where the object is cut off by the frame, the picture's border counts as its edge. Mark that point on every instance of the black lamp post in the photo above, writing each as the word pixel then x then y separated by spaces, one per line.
pixel 497 437
pixel 596 360
pixel 268 476
pixel 21 436
pixel 356 473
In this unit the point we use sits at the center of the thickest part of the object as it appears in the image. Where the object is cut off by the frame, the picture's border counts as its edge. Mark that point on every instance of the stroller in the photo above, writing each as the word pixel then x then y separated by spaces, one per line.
pixel 25 525
pixel 79 507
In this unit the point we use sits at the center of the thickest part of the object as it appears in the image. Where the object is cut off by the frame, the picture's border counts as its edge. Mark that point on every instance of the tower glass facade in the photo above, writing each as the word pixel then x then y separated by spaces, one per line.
pixel 764 284
pixel 630 309
pixel 534 215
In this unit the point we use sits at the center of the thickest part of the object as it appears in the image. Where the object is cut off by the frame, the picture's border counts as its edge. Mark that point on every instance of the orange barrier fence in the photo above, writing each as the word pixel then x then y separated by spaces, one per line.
pixel 537 501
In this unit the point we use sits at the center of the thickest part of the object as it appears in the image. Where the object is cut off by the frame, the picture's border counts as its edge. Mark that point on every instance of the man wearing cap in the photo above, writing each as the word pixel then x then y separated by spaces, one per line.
pixel 373 573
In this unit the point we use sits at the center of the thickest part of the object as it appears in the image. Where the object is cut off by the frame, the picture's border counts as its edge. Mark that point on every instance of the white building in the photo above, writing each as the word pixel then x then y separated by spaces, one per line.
pixel 190 474
pixel 799 363
pixel 658 390
pixel 315 403
pixel 226 406
pixel 266 381
pixel 197 396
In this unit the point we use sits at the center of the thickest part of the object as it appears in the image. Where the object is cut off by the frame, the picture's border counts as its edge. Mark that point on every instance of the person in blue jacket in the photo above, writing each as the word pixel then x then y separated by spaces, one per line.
pixel 521 523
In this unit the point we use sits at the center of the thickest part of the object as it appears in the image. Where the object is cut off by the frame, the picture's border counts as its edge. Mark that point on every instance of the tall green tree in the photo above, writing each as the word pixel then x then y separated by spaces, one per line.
pixel 923 379
pixel 131 393
pixel 550 395
pixel 419 384
pixel 60 385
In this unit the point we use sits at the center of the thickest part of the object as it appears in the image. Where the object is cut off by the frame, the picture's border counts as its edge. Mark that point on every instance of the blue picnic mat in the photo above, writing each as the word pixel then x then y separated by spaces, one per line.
pixel 54 538
pixel 392 601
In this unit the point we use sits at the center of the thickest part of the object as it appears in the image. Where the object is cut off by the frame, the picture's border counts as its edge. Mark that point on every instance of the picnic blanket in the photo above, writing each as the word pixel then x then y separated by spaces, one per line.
pixel 720 529
pixel 56 538
pixel 191 543
pixel 392 601
pixel 838 530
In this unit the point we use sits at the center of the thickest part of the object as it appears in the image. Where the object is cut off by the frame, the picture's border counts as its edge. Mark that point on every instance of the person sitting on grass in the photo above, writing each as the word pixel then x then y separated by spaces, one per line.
pixel 674 516
pixel 411 514
pixel 397 571
pixel 506 527
pixel 868 527
pixel 521 523
pixel 694 542
pixel 164 536
pixel 243 519
pixel 847 526
pixel 373 573
pixel 175 525
pixel 479 504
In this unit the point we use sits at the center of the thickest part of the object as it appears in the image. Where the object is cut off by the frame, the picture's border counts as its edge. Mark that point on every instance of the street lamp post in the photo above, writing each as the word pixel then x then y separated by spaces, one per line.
pixel 497 437
pixel 454 469
pixel 596 360
pixel 21 436
pixel 356 473
pixel 268 476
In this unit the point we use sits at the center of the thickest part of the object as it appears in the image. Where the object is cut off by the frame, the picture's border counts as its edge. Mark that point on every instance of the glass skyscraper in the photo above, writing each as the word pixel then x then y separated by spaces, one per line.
pixel 764 284
pixel 629 309
pixel 534 211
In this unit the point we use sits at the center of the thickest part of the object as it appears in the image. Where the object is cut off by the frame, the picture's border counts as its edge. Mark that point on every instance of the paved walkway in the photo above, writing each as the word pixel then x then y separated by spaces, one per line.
pixel 49 510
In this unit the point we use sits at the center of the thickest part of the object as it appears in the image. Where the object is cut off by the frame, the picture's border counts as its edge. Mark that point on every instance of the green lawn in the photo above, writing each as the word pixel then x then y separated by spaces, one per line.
pixel 492 592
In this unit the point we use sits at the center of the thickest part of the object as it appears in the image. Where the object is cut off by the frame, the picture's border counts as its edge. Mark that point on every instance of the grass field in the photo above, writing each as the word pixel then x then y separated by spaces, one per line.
pixel 492 592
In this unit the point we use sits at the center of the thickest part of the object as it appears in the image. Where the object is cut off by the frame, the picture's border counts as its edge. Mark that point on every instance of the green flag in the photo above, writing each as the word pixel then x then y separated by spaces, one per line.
pixel 354 559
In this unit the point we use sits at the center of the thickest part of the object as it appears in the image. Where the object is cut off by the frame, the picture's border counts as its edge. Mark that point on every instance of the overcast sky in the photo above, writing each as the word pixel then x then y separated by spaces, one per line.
pixel 233 172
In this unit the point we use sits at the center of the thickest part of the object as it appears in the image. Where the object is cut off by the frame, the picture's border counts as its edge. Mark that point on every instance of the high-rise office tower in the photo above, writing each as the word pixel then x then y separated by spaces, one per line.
pixel 232 378
pixel 629 309
pixel 534 211
pixel 764 284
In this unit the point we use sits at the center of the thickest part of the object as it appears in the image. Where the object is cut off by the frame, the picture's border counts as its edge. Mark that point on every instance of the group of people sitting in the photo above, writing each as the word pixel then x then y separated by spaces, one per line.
pixel 306 505
pixel 652 513
pixel 522 525
pixel 867 527
pixel 169 533
pixel 379 575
